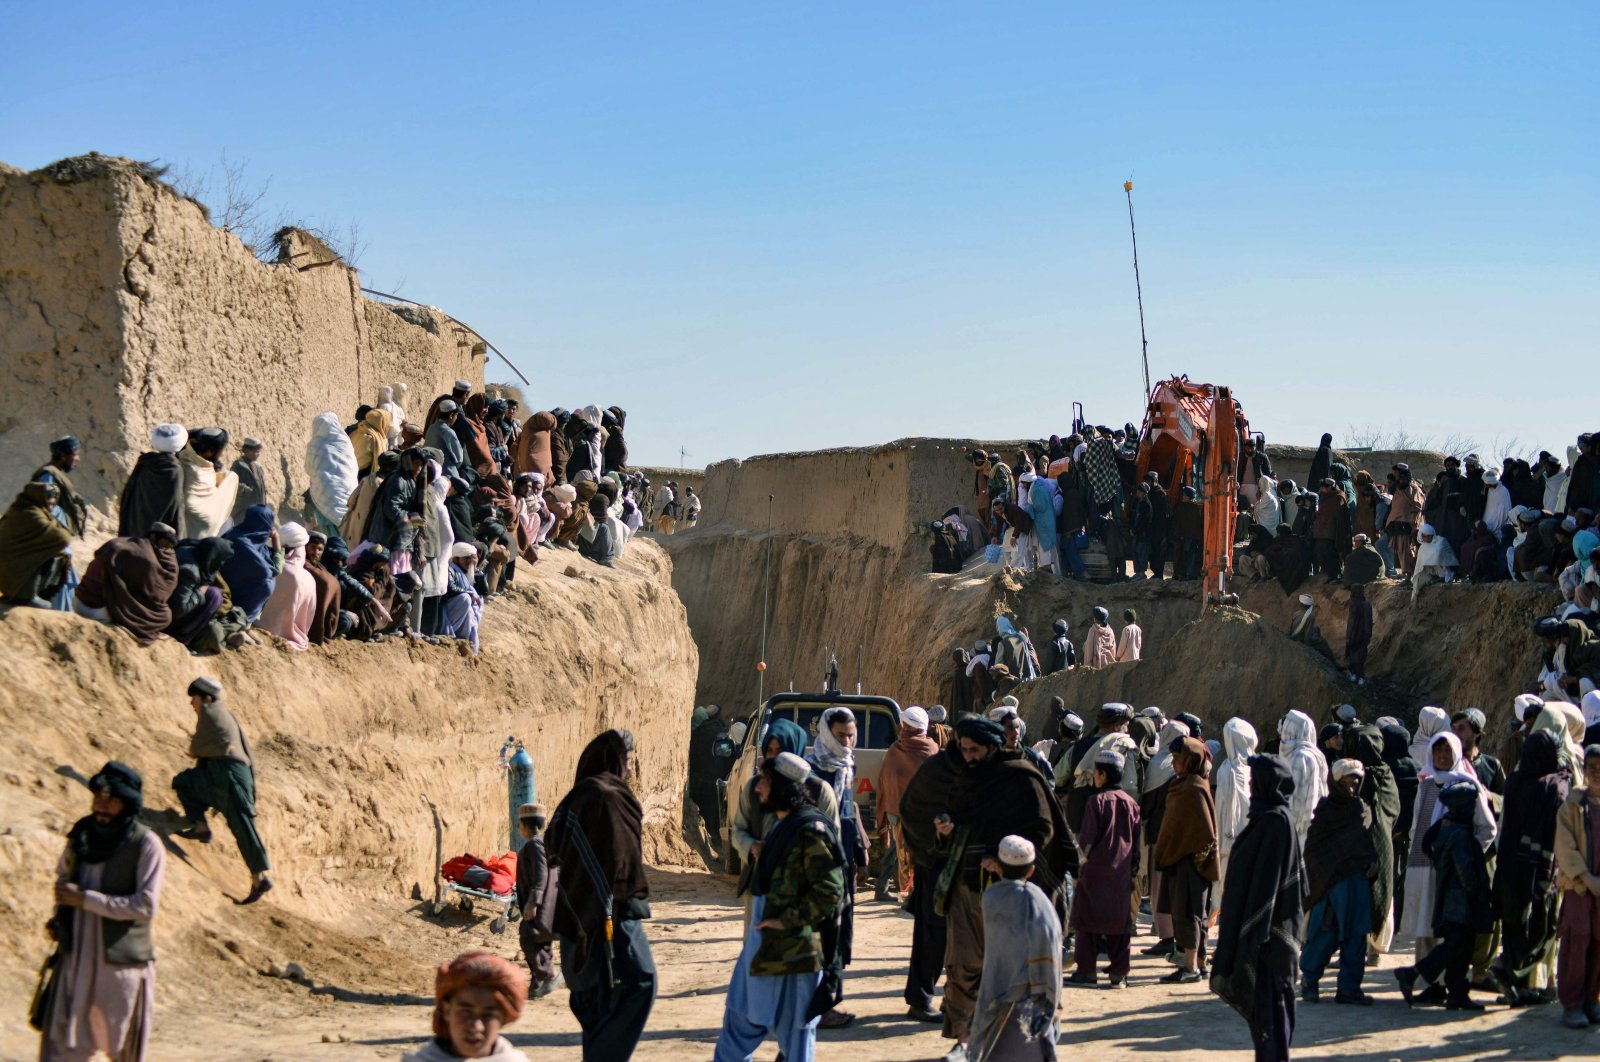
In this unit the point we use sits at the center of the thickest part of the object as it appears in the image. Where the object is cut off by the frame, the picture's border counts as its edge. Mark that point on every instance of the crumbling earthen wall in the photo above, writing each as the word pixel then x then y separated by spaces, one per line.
pixel 122 306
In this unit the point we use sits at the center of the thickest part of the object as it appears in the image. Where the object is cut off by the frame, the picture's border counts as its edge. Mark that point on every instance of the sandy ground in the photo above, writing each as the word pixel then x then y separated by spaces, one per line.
pixel 695 935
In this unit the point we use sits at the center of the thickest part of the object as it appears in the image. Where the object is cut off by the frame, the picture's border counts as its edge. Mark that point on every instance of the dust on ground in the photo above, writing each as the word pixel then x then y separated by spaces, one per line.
pixel 695 935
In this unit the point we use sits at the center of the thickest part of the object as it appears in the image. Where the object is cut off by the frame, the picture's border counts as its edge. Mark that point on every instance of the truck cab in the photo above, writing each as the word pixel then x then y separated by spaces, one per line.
pixel 877 726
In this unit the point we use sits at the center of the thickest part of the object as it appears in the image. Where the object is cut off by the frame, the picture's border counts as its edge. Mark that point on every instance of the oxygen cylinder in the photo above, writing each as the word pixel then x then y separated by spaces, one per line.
pixel 520 788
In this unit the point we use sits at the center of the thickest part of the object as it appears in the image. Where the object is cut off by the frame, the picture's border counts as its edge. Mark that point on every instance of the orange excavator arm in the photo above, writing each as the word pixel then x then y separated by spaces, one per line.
pixel 1221 494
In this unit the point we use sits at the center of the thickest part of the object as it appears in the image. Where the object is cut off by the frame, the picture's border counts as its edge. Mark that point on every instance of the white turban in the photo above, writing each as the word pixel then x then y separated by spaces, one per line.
pixel 1345 768
pixel 463 549
pixel 169 438
pixel 915 718
pixel 292 534
pixel 1525 703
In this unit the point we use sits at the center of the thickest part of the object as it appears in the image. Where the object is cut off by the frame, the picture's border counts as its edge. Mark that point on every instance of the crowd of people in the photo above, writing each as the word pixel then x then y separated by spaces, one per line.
pixel 409 525
pixel 1058 499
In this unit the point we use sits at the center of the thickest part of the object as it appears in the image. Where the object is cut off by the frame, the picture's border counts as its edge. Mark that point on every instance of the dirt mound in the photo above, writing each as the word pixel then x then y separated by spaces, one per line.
pixel 348 739
pixel 1228 662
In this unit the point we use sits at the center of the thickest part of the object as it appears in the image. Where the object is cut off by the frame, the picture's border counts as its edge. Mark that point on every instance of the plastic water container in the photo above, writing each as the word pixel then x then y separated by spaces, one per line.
pixel 991 554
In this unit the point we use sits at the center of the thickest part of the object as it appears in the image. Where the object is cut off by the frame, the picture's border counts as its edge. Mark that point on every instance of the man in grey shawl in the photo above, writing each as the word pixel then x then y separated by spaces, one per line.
pixel 224 778
pixel 1015 1018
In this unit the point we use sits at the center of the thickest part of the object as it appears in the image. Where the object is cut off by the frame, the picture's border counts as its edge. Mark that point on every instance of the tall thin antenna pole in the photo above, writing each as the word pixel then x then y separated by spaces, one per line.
pixel 766 587
pixel 1144 344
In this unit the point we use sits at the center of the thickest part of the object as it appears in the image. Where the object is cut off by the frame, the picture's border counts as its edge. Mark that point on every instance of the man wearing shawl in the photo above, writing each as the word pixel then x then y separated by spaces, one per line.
pixel 1381 794
pixel 327 625
pixel 1525 874
pixel 1263 910
pixel 1436 560
pixel 291 610
pixel 833 761
pixel 1109 842
pixel 475 995
pixel 442 437
pixel 208 491
pixel 1015 1016
pixel 72 512
pixel 1158 776
pixel 1443 767
pixel 1186 850
pixel 533 452
pixel 1578 874
pixel 1232 781
pixel 397 413
pixel 750 824
pixel 130 582
pixel 1340 858
pixel 154 491
pixel 999 794
pixel 108 887
pixel 1461 908
pixel 787 970
pixel 900 764
pixel 461 611
pixel 926 798
pixel 1297 736
pixel 596 842
pixel 1100 647
pixel 34 557
pixel 223 778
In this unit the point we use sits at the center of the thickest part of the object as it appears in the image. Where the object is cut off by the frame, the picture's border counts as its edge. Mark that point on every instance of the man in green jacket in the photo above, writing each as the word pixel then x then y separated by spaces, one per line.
pixel 223 778
pixel 788 973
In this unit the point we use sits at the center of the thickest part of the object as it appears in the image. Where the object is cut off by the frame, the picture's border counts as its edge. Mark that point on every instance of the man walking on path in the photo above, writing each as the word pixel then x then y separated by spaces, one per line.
pixel 108 885
pixel 223 778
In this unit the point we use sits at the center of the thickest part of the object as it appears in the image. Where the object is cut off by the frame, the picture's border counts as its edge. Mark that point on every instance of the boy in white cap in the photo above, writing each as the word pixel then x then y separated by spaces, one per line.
pixel 536 896
pixel 1015 1016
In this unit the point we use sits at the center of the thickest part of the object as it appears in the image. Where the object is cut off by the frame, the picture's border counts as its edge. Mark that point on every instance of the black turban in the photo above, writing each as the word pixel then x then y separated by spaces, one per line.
pixel 980 730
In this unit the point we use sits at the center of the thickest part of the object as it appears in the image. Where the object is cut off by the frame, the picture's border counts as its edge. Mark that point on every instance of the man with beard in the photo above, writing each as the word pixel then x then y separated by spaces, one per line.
pixel 925 800
pixel 223 778
pixel 1263 914
pixel 596 842
pixel 1340 857
pixel 108 886
pixel 788 968
pixel 999 794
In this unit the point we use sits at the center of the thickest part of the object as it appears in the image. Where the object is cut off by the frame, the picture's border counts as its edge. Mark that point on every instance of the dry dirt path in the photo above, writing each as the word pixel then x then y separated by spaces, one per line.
pixel 695 935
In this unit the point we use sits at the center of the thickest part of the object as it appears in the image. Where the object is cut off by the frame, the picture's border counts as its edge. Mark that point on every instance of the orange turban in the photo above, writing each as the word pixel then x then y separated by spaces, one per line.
pixel 480 969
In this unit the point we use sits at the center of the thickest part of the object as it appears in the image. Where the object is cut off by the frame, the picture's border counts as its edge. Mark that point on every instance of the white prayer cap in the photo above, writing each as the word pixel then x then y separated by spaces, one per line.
pixel 1009 699
pixel 1073 720
pixel 1527 703
pixel 463 549
pixel 1307 599
pixel 914 717
pixel 791 767
pixel 1110 757
pixel 292 534
pixel 1427 529
pixel 169 438
pixel 1000 711
pixel 1345 768
pixel 937 714
pixel 1016 851
pixel 1152 712
pixel 737 731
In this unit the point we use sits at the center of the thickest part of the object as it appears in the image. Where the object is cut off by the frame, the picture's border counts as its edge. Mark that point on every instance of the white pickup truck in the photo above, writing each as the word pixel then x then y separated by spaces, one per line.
pixel 877 725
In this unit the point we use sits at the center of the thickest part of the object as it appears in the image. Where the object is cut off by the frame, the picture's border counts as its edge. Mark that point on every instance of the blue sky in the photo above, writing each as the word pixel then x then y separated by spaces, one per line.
pixel 766 227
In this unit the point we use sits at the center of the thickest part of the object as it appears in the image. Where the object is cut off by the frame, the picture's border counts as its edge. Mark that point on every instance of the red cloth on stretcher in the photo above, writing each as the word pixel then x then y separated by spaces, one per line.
pixel 502 871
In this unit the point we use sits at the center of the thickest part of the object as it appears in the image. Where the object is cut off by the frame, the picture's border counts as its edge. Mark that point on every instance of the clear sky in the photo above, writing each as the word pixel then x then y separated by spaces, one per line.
pixel 764 226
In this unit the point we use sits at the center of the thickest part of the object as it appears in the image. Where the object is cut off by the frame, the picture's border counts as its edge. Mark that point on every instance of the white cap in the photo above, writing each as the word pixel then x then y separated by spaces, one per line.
pixel 1009 699
pixel 791 767
pixel 1345 768
pixel 169 438
pixel 938 714
pixel 1000 711
pixel 914 717
pixel 1307 599
pixel 1151 712
pixel 737 731
pixel 292 534
pixel 1110 757
pixel 1527 702
pixel 1016 851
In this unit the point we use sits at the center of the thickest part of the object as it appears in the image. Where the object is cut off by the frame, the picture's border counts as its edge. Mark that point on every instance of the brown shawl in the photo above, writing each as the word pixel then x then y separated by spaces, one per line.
pixel 1189 826
pixel 900 763
pixel 477 440
pixel 137 580
pixel 533 447
pixel 29 538
pixel 325 627
pixel 596 839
